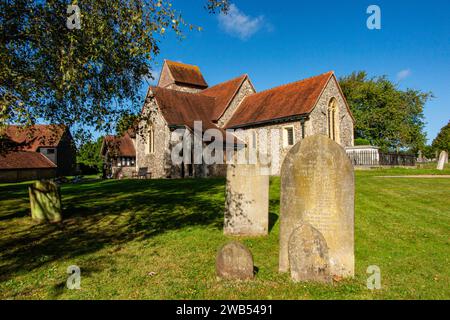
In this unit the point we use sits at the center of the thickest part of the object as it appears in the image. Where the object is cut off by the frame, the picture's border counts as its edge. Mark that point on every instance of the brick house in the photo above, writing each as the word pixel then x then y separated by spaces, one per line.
pixel 38 152
pixel 312 106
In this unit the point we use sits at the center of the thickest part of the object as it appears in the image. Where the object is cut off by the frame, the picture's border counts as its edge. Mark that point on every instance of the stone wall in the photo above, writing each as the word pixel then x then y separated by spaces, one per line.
pixel 245 90
pixel 122 172
pixel 265 139
pixel 184 88
pixel 156 162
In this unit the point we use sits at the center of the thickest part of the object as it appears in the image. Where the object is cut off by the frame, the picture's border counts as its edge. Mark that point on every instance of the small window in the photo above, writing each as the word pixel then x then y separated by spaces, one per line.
pixel 50 151
pixel 288 134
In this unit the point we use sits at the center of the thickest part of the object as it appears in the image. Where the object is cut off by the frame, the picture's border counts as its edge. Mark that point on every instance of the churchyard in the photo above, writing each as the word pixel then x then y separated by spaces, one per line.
pixel 158 239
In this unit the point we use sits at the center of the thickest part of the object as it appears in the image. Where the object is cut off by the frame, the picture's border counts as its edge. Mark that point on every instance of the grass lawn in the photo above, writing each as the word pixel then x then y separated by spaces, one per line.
pixel 118 232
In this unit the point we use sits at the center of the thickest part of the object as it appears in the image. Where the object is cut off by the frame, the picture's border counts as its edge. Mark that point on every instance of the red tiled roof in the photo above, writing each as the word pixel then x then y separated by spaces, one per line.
pixel 121 146
pixel 223 93
pixel 182 108
pixel 186 74
pixel 34 137
pixel 281 102
pixel 24 160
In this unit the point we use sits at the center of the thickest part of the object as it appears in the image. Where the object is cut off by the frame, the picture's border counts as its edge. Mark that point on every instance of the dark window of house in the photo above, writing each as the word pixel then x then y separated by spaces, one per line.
pixel 50 151
pixel 290 136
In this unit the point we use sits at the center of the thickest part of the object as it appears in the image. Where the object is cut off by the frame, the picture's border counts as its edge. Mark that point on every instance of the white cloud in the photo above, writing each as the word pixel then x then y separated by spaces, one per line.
pixel 401 75
pixel 238 24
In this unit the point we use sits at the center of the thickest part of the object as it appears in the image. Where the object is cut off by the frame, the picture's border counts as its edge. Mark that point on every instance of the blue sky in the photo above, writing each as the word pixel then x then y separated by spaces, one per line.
pixel 280 42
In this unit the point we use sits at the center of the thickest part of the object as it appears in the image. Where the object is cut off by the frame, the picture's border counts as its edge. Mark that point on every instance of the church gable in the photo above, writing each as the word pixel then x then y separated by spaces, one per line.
pixel 331 115
pixel 228 96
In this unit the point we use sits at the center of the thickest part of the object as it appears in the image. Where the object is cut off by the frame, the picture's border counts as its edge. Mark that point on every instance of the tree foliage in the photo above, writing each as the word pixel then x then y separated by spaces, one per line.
pixel 127 121
pixel 442 141
pixel 85 77
pixel 388 117
pixel 88 154
pixel 362 142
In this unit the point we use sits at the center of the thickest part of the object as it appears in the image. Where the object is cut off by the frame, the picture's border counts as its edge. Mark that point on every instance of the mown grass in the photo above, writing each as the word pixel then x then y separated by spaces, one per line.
pixel 118 232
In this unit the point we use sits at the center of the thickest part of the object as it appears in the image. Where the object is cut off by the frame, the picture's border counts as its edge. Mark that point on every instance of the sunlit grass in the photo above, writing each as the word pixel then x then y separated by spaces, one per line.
pixel 142 239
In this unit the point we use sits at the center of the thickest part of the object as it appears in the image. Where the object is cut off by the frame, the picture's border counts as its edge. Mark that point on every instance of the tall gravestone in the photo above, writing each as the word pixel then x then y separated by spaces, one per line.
pixel 443 159
pixel 317 187
pixel 247 201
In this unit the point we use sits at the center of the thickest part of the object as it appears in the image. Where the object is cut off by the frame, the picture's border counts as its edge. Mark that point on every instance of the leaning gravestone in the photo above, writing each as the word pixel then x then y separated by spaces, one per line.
pixel 234 262
pixel 317 187
pixel 247 201
pixel 308 255
pixel 443 157
pixel 45 201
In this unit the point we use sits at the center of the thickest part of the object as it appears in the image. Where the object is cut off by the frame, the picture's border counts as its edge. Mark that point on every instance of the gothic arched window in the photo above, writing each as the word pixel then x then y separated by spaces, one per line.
pixel 333 120
pixel 151 139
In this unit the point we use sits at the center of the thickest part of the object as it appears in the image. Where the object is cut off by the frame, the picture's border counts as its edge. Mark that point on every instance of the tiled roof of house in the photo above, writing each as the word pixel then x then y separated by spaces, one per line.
pixel 223 93
pixel 24 160
pixel 292 99
pixel 186 74
pixel 34 137
pixel 120 146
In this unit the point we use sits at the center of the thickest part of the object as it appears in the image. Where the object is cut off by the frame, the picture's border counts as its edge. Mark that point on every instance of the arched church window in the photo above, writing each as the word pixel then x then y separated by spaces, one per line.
pixel 151 139
pixel 332 120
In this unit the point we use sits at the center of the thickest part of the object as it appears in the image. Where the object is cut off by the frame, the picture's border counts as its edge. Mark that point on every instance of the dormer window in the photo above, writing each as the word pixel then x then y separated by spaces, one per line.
pixel 50 151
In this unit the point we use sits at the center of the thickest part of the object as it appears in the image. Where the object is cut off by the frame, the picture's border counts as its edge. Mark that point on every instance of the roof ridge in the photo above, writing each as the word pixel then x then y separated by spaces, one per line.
pixel 182 64
pixel 224 82
pixel 295 82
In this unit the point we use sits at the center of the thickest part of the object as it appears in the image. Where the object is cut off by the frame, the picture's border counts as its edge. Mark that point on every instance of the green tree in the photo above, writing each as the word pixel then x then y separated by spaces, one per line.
pixel 428 152
pixel 362 142
pixel 388 117
pixel 442 141
pixel 53 72
pixel 126 121
pixel 89 155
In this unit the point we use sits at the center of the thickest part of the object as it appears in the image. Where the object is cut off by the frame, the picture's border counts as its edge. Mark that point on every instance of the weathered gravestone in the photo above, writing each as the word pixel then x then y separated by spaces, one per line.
pixel 247 201
pixel 45 201
pixel 308 255
pixel 443 157
pixel 317 187
pixel 234 262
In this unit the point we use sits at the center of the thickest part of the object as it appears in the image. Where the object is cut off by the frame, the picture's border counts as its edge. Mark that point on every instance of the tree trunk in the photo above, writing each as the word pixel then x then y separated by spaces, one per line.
pixel 45 201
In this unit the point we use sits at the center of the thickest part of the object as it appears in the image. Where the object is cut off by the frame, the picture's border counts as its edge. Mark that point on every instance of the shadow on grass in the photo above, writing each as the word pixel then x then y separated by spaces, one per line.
pixel 102 214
